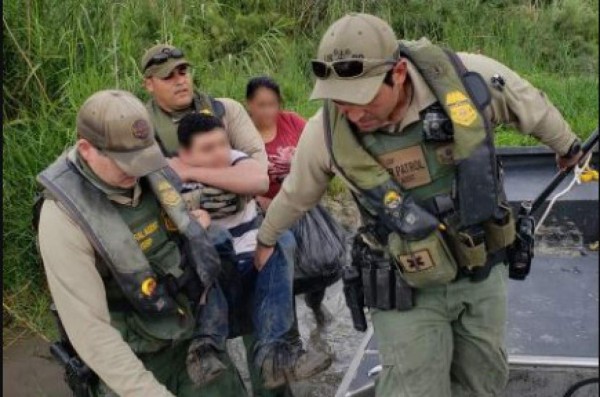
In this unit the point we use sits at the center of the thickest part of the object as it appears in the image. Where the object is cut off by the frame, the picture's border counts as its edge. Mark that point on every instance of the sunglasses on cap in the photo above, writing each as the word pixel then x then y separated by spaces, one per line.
pixel 349 68
pixel 163 56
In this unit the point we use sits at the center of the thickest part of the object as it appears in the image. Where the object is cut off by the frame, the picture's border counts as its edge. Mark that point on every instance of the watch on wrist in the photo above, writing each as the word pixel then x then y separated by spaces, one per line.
pixel 573 150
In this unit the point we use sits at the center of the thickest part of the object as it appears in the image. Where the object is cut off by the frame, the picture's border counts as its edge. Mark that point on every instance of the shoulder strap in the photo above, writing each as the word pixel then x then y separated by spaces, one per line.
pixel 204 103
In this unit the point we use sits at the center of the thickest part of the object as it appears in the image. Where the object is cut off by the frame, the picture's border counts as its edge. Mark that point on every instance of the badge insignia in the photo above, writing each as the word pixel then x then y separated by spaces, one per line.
pixel 392 200
pixel 140 129
pixel 168 195
pixel 461 110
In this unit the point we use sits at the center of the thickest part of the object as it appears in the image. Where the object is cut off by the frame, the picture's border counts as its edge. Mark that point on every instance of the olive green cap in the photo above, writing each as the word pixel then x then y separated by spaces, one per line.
pixel 161 70
pixel 352 37
pixel 117 123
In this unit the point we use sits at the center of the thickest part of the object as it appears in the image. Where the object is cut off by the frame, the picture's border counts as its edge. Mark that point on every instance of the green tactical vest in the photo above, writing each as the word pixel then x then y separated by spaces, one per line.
pixel 427 170
pixel 134 245
pixel 165 124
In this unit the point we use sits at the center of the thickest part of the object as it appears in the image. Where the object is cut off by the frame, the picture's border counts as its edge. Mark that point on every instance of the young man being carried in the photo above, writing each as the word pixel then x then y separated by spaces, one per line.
pixel 266 294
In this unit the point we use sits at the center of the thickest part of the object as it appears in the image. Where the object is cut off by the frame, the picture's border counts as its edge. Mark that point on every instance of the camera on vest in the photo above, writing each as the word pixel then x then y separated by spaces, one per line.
pixel 437 127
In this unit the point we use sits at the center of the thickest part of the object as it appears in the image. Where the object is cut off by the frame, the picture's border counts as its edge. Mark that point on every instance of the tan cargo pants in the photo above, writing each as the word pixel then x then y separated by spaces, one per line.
pixel 450 344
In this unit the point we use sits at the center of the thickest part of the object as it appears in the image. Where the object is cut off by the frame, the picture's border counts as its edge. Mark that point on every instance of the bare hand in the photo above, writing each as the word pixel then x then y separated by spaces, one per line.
pixel 202 217
pixel 262 256
pixel 263 202
pixel 564 163
pixel 180 168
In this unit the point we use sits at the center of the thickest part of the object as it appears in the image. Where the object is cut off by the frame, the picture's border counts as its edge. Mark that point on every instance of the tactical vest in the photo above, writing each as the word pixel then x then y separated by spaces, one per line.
pixel 445 162
pixel 166 127
pixel 151 290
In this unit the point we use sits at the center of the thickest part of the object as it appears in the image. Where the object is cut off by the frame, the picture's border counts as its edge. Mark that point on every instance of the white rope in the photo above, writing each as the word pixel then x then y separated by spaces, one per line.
pixel 576 180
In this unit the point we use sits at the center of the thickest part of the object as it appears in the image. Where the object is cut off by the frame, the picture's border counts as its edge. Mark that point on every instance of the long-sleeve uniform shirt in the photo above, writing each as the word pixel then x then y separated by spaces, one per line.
pixel 78 290
pixel 518 104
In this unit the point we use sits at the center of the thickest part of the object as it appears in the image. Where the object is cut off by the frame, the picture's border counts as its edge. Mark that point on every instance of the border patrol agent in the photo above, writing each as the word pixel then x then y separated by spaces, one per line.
pixel 408 126
pixel 125 263
pixel 167 77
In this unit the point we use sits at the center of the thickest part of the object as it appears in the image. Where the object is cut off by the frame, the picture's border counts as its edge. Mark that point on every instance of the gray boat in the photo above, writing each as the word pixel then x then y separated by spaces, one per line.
pixel 552 331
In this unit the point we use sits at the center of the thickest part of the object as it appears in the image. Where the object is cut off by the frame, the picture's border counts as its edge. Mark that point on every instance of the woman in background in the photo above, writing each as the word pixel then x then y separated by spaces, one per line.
pixel 280 130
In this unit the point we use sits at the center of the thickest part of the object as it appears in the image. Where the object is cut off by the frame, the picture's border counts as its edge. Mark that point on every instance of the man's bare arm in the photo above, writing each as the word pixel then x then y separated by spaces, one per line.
pixel 247 177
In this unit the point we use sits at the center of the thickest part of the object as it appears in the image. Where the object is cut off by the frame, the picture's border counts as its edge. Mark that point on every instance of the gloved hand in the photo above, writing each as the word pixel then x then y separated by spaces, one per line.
pixel 219 203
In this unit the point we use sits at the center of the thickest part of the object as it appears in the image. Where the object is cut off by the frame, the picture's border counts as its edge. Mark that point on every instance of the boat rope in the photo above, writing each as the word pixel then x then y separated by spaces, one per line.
pixel 582 174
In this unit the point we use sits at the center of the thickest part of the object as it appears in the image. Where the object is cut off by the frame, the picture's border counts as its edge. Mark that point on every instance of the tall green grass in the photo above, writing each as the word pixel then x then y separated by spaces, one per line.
pixel 57 53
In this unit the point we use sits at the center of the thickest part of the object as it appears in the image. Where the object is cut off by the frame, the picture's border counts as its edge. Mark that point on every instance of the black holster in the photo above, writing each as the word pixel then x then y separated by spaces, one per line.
pixel 383 286
pixel 78 376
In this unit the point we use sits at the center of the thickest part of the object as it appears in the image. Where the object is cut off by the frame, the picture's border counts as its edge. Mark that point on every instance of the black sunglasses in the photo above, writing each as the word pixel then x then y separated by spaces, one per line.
pixel 348 68
pixel 162 57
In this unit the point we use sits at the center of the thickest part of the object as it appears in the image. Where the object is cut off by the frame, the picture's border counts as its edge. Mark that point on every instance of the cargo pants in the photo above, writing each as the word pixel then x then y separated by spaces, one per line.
pixel 451 344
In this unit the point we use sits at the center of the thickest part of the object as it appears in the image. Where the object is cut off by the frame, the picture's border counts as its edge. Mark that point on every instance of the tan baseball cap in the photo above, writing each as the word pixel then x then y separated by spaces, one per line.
pixel 352 37
pixel 161 70
pixel 118 124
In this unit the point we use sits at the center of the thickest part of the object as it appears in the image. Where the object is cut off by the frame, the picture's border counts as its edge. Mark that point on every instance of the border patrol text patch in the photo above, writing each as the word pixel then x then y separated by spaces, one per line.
pixel 408 166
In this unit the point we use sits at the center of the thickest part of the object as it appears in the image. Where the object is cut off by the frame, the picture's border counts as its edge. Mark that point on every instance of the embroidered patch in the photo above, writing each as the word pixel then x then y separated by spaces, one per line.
pixel 462 111
pixel 146 231
pixel 167 194
pixel 146 244
pixel 140 129
pixel 417 262
pixel 445 155
pixel 392 200
pixel 169 224
pixel 408 166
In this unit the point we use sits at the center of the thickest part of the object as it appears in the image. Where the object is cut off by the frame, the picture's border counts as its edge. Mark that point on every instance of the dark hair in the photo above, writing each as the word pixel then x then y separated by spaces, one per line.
pixel 262 82
pixel 194 124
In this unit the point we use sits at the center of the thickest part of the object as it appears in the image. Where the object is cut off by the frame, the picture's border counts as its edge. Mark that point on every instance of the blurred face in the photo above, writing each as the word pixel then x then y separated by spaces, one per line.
pixel 174 92
pixel 208 149
pixel 380 111
pixel 263 107
pixel 104 167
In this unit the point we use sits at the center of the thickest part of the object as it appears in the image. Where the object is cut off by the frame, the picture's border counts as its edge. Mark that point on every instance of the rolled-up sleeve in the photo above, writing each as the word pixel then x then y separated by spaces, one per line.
pixel 79 295
pixel 243 135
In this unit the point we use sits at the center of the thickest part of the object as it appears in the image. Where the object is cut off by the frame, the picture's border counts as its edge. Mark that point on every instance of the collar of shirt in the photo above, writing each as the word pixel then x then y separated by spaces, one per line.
pixel 422 98
pixel 121 196
pixel 177 115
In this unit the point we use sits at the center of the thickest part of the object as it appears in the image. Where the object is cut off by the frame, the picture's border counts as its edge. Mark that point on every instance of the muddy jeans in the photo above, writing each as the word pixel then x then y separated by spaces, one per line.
pixel 450 344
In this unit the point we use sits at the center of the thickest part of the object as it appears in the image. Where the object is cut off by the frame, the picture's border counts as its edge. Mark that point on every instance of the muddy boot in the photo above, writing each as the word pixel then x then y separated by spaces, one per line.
pixel 203 364
pixel 288 364
pixel 273 374
pixel 306 364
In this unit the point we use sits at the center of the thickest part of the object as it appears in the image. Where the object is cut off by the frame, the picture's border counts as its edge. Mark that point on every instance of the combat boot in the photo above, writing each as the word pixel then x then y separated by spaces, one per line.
pixel 299 364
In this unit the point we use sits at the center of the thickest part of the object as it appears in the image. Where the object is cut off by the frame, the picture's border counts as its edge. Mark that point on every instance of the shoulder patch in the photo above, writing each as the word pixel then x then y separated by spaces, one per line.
pixel 461 109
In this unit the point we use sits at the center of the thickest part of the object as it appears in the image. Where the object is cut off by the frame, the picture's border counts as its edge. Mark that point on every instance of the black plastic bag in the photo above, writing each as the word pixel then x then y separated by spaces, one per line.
pixel 321 245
